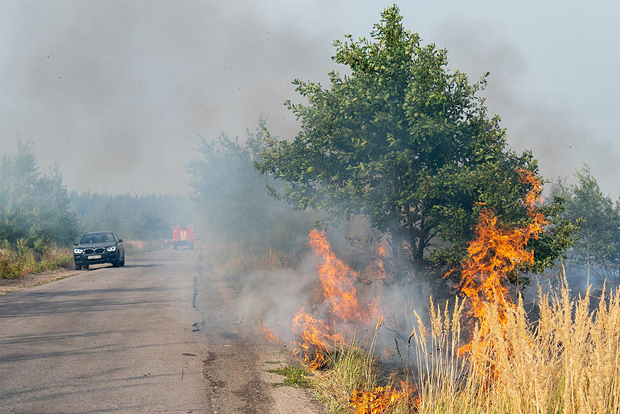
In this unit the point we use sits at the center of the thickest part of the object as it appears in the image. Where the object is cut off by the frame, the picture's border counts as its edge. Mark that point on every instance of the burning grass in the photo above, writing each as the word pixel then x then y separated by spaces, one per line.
pixel 568 361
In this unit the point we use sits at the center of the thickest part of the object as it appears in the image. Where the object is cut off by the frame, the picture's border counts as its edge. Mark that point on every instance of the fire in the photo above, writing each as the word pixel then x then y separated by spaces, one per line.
pixel 337 282
pixel 379 400
pixel 316 339
pixel 267 333
pixel 494 254
pixel 341 304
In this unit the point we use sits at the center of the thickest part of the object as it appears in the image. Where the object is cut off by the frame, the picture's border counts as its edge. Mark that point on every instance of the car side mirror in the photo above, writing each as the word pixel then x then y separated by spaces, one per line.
pixel 75 244
pixel 120 240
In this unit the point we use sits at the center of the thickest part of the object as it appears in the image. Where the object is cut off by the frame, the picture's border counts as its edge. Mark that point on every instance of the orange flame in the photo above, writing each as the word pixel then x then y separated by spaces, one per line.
pixel 317 332
pixel 337 281
pixel 380 399
pixel 494 254
pixel 268 333
pixel 316 339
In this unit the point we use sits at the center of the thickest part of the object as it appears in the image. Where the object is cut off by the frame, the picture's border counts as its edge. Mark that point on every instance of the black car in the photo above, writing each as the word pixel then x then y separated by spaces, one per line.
pixel 99 247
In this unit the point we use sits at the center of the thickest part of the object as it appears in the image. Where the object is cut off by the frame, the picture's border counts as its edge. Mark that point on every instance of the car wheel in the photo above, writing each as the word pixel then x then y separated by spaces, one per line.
pixel 85 266
pixel 122 262
pixel 116 262
pixel 78 267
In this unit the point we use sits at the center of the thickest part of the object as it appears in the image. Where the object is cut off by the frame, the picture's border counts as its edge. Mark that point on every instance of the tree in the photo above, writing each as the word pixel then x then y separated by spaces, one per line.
pixel 231 194
pixel 33 206
pixel 598 244
pixel 404 142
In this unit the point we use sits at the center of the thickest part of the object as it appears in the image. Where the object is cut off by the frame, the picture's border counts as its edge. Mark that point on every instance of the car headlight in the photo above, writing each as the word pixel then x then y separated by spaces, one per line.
pixel 111 248
pixel 78 251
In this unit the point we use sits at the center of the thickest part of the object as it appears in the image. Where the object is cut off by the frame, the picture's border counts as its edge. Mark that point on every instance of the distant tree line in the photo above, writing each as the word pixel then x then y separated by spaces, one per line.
pixel 37 211
pixel 145 217
pixel 35 208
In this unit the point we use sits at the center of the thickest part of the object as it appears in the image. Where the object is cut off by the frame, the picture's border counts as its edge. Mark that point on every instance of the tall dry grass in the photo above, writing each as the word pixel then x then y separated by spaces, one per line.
pixel 20 261
pixel 568 361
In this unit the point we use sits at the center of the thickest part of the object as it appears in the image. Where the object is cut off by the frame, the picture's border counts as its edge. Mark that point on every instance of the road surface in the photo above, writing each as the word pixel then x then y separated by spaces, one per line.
pixel 158 336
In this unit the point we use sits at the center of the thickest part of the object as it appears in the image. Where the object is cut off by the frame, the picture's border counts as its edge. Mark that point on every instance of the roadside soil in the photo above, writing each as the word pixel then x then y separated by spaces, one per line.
pixel 238 357
pixel 34 279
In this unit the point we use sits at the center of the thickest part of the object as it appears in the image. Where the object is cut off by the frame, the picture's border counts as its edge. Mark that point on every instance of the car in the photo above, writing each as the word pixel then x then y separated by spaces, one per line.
pixel 99 247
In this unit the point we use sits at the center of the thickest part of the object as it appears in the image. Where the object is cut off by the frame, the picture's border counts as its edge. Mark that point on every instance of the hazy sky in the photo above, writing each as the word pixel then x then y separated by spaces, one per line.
pixel 119 93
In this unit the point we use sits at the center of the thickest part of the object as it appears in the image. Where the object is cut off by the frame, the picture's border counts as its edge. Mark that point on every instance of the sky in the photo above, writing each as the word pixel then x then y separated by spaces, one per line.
pixel 118 94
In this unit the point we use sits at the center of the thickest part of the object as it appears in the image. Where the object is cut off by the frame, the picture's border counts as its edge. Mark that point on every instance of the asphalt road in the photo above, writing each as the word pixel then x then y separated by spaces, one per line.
pixel 159 335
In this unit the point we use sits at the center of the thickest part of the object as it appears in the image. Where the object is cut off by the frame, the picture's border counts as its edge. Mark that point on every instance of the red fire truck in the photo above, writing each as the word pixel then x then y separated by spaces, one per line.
pixel 182 236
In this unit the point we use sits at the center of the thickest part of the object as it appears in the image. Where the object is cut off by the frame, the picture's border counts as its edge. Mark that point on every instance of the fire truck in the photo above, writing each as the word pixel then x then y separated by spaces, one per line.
pixel 182 236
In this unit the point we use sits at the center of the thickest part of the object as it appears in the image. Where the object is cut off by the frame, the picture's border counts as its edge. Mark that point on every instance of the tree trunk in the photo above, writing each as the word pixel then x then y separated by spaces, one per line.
pixel 397 243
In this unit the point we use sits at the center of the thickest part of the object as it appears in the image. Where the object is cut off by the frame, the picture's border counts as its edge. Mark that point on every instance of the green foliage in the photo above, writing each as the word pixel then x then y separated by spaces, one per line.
pixel 19 260
pixel 597 218
pixel 294 375
pixel 404 142
pixel 34 207
pixel 230 193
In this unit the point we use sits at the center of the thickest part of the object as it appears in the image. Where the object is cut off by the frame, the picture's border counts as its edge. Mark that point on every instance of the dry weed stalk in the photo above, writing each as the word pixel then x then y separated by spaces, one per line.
pixel 566 362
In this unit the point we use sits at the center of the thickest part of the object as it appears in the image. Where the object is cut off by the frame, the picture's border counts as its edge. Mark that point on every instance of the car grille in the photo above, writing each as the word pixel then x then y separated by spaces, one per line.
pixel 91 251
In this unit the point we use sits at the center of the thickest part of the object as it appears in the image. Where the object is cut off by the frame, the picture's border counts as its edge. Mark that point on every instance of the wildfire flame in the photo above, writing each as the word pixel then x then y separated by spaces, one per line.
pixel 316 331
pixel 379 400
pixel 268 334
pixel 315 339
pixel 337 281
pixel 494 254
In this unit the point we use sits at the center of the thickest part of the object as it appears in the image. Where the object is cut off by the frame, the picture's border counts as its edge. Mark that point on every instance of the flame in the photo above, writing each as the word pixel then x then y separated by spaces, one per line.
pixel 337 281
pixel 268 333
pixel 316 339
pixel 380 399
pixel 316 331
pixel 494 254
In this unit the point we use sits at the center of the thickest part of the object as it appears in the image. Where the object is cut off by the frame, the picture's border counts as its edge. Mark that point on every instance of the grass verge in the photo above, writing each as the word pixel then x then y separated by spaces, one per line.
pixel 294 376
pixel 15 263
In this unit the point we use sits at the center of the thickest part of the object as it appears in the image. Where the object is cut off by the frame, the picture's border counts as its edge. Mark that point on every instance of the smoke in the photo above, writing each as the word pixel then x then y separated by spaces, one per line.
pixel 274 297
pixel 562 137
pixel 119 93
pixel 125 90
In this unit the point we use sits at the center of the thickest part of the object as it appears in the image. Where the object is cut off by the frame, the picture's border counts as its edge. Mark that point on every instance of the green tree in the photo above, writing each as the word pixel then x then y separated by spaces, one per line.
pixel 231 194
pixel 598 244
pixel 33 206
pixel 404 142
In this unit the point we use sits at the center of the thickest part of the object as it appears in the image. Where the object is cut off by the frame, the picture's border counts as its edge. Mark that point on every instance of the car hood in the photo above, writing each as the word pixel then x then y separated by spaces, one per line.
pixel 93 245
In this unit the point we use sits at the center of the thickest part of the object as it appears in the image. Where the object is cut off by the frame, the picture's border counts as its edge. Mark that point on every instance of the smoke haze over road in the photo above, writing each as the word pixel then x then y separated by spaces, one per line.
pixel 119 94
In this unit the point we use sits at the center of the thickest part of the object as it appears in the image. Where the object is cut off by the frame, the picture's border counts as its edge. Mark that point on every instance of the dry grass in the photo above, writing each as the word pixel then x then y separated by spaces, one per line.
pixel 350 368
pixel 567 362
pixel 17 263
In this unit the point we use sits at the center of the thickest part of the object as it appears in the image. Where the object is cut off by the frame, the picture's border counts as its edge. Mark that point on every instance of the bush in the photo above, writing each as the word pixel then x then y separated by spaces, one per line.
pixel 21 260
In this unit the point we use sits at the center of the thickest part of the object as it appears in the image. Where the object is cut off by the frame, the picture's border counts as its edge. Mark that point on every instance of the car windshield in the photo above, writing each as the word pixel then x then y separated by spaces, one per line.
pixel 97 238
